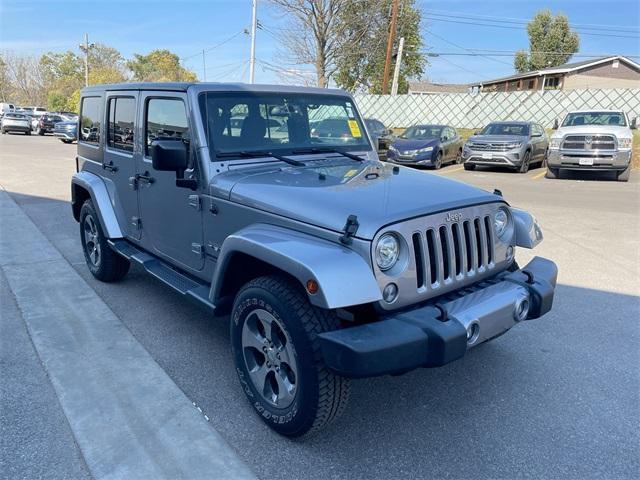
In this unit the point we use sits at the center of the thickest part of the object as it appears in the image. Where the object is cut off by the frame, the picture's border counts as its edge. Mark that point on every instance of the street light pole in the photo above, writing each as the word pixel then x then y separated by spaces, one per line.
pixel 85 48
pixel 396 71
pixel 252 56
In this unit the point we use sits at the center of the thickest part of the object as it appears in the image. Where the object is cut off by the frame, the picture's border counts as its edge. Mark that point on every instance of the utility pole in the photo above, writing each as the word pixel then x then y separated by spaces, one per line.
pixel 390 41
pixel 254 24
pixel 396 71
pixel 204 67
pixel 85 48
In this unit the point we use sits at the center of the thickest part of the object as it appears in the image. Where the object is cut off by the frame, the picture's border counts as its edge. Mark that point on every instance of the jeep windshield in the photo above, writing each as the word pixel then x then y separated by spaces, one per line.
pixel 283 123
pixel 519 129
pixel 594 118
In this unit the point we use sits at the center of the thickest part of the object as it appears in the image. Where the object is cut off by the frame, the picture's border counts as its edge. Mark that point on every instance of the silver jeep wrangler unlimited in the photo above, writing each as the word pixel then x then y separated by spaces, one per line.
pixel 331 264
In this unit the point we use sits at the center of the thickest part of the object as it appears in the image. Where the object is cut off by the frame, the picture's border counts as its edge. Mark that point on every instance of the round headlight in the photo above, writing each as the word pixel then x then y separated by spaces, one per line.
pixel 501 222
pixel 387 251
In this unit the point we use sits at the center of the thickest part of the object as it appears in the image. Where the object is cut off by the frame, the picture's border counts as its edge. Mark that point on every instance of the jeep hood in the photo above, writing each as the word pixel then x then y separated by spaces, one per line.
pixel 325 194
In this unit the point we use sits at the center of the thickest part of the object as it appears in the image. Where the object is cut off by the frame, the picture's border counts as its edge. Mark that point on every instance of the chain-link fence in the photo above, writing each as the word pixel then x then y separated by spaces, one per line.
pixel 466 110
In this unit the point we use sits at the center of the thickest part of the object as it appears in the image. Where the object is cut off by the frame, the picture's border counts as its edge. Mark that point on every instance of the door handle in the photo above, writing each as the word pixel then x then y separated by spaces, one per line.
pixel 145 177
pixel 110 166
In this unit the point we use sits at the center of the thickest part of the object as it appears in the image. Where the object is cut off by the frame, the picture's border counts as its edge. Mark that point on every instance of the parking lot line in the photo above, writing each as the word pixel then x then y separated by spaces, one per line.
pixel 539 175
pixel 452 170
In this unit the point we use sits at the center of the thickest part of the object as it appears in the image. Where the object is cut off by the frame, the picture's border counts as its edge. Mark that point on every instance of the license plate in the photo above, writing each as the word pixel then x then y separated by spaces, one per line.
pixel 487 156
pixel 586 161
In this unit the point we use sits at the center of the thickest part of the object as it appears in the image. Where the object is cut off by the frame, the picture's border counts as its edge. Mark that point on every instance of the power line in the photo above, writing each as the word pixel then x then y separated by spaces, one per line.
pixel 511 27
pixel 227 40
pixel 465 48
pixel 521 21
pixel 472 53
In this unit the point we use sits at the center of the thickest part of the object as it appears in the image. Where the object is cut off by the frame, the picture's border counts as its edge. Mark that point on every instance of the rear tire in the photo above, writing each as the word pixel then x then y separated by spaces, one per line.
pixel 469 166
pixel 552 173
pixel 65 141
pixel 274 340
pixel 104 264
pixel 623 176
pixel 459 157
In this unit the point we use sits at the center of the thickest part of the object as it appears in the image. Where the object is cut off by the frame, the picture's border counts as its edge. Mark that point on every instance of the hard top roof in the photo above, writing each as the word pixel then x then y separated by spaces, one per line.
pixel 217 87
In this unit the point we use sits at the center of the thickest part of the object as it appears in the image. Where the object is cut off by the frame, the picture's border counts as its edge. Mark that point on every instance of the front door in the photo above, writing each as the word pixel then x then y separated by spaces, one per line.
pixel 119 160
pixel 171 216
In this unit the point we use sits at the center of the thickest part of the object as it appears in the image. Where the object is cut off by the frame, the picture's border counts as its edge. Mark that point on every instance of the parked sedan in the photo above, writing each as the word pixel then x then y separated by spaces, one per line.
pixel 67 132
pixel 47 122
pixel 426 145
pixel 15 122
pixel 516 145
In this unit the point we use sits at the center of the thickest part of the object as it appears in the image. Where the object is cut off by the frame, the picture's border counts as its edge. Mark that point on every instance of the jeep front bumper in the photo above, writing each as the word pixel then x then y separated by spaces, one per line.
pixel 434 335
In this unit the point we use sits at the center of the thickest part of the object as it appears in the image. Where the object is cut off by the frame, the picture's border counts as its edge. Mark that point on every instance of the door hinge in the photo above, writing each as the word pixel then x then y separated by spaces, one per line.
pixel 133 182
pixel 194 201
pixel 197 249
pixel 136 223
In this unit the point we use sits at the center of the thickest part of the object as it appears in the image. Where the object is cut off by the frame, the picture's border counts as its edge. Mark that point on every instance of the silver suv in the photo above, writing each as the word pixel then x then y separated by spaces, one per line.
pixel 331 264
pixel 516 145
pixel 597 140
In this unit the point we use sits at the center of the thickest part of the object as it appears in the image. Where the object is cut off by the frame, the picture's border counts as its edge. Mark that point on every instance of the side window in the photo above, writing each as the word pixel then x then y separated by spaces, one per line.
pixel 166 119
pixel 122 113
pixel 451 133
pixel 90 120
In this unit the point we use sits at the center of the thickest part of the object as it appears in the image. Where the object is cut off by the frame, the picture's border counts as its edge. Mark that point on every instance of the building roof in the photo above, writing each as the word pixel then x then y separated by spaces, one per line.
pixel 430 87
pixel 566 68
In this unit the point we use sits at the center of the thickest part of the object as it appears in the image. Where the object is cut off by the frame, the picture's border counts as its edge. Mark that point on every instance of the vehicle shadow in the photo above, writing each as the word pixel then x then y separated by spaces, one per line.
pixel 554 398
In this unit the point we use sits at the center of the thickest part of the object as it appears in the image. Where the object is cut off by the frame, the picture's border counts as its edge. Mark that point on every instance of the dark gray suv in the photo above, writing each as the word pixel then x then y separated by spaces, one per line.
pixel 517 145
pixel 326 263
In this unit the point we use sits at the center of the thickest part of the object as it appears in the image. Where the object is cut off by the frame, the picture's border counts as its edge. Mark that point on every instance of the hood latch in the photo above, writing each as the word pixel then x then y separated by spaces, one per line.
pixel 350 229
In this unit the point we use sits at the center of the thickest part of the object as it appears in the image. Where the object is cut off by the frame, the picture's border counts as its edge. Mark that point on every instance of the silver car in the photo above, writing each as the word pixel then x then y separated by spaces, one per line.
pixel 516 145
pixel 15 122
pixel 327 263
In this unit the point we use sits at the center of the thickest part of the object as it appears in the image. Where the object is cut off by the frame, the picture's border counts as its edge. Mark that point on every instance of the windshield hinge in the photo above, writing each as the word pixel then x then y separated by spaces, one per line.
pixel 350 229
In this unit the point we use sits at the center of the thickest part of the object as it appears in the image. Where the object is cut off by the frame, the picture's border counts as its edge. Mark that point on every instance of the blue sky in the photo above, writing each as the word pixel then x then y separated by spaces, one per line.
pixel 186 27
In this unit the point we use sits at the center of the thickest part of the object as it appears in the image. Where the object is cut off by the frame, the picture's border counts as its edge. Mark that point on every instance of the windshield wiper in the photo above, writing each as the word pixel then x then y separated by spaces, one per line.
pixel 260 154
pixel 329 150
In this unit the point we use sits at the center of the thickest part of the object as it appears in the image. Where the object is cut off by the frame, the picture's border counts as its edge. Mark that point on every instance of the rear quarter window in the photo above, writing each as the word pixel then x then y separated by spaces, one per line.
pixel 90 116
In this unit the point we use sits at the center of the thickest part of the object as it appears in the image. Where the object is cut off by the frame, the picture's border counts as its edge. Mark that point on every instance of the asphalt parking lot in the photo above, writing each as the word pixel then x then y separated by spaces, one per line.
pixel 554 398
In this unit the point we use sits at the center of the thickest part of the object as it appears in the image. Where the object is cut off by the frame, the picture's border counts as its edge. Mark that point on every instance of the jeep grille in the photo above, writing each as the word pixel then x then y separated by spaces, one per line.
pixel 445 255
pixel 589 142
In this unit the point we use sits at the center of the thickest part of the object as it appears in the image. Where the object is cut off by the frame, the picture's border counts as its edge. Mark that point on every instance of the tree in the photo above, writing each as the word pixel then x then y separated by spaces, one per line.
pixel 25 84
pixel 313 34
pixel 551 43
pixel 159 66
pixel 360 64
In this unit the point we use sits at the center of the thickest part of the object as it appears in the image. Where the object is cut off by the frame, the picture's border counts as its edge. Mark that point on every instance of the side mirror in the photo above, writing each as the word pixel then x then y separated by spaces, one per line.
pixel 634 123
pixel 169 155
pixel 555 124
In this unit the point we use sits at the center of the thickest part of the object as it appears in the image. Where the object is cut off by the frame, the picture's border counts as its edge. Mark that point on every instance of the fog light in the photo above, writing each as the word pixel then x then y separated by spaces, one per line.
pixel 521 309
pixel 390 293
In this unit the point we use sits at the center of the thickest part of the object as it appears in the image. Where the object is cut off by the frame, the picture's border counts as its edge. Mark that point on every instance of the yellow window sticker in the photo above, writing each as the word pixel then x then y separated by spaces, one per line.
pixel 355 129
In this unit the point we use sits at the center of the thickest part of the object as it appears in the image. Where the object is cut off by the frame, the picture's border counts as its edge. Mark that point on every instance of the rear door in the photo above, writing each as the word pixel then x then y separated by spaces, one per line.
pixel 120 157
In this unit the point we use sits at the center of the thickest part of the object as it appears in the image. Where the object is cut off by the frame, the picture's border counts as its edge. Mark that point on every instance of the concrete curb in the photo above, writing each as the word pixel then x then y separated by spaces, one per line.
pixel 129 418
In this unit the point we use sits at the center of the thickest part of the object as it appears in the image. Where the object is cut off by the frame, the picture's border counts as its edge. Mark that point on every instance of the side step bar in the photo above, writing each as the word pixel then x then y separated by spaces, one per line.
pixel 186 285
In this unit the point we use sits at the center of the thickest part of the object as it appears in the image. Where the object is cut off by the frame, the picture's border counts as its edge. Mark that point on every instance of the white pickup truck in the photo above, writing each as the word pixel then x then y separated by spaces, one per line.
pixel 592 140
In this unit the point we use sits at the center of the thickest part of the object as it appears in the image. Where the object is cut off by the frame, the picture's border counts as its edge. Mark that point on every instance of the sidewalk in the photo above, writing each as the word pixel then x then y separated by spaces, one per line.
pixel 128 418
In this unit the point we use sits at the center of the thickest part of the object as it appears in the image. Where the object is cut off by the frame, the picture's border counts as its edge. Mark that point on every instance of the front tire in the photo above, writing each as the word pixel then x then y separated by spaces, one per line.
pixel 552 173
pixel 274 340
pixel 437 163
pixel 28 132
pixel 104 264
pixel 623 176
pixel 524 166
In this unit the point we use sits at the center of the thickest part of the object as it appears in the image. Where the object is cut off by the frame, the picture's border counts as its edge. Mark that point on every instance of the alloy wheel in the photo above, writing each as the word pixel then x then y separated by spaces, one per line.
pixel 270 358
pixel 91 243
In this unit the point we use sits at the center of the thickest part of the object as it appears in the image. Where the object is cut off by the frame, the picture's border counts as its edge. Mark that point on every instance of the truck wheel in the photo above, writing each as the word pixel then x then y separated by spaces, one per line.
pixel 552 172
pixel 524 166
pixel 469 166
pixel 275 347
pixel 105 264
pixel 623 176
